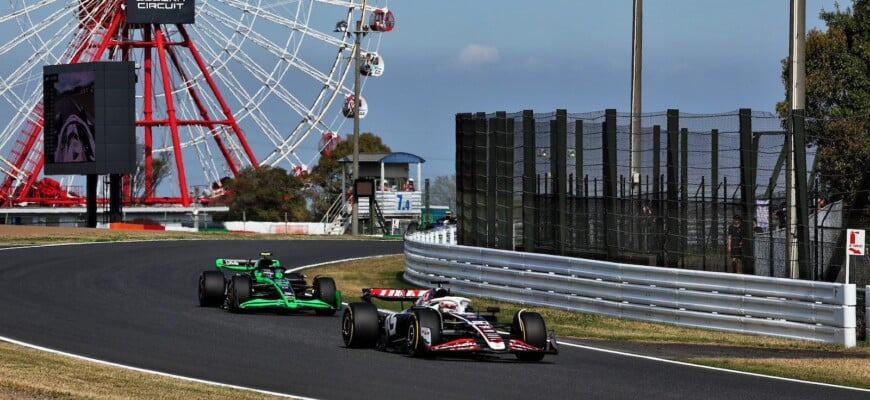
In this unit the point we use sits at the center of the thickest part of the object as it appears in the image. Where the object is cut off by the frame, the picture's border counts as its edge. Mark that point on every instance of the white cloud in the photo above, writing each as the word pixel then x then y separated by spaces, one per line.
pixel 474 55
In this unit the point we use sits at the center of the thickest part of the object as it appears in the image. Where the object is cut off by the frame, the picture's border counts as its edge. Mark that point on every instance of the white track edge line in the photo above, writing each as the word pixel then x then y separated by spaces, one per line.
pixel 148 371
pixel 683 363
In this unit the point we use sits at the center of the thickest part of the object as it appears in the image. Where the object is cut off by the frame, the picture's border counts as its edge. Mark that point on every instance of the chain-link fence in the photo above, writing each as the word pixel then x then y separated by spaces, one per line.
pixel 563 183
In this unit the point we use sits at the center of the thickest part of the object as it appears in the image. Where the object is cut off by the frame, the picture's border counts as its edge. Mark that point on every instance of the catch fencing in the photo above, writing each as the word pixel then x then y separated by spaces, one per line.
pixel 565 183
pixel 790 308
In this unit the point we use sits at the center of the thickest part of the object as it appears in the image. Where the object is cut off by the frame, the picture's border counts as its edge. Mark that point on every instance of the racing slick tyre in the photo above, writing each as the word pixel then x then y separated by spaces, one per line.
pixel 212 285
pixel 423 318
pixel 529 327
pixel 324 290
pixel 359 325
pixel 238 292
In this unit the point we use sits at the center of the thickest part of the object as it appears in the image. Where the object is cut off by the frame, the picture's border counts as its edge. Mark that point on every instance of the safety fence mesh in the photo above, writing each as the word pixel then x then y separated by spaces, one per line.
pixel 563 183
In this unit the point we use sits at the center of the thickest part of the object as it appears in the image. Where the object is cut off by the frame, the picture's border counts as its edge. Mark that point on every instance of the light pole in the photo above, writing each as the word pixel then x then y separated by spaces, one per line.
pixel 797 254
pixel 636 68
pixel 357 103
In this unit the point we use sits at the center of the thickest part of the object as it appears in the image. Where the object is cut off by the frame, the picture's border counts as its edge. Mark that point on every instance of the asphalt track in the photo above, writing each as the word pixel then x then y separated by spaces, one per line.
pixel 135 303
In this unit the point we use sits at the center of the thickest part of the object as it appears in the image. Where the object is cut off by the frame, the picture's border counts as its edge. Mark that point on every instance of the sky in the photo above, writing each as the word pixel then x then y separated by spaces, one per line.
pixel 452 56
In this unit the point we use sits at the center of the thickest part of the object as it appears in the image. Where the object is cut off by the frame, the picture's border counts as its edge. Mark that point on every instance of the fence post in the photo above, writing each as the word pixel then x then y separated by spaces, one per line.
pixel 478 213
pixel 530 226
pixel 714 184
pixel 491 177
pixel 581 226
pixel 800 165
pixel 608 149
pixel 559 168
pixel 673 230
pixel 747 189
pixel 656 229
pixel 464 193
pixel 503 129
pixel 684 195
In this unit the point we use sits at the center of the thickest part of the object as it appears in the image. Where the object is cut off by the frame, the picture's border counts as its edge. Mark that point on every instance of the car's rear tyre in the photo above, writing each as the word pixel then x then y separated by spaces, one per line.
pixel 212 285
pixel 238 292
pixel 420 319
pixel 529 327
pixel 324 290
pixel 359 325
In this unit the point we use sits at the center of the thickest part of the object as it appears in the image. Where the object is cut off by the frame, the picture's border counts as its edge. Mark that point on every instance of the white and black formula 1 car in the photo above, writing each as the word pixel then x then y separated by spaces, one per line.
pixel 441 324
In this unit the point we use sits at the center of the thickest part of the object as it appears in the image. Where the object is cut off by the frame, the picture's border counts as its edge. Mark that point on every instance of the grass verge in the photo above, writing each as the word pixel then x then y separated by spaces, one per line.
pixel 34 374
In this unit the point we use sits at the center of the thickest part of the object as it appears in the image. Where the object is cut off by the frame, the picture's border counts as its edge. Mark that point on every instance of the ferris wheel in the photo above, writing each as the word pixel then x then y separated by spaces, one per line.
pixel 243 83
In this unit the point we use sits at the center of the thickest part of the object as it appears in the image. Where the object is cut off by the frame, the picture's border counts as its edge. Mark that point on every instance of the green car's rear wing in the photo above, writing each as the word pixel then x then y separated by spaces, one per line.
pixel 245 265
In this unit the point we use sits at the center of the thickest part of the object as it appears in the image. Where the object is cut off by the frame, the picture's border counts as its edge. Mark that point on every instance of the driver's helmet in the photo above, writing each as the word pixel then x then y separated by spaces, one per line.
pixel 440 292
pixel 264 263
pixel 448 306
pixel 279 273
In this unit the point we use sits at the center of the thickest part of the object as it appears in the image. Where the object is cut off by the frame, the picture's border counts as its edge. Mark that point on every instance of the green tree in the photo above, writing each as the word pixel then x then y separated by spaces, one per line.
pixel 838 98
pixel 266 194
pixel 325 177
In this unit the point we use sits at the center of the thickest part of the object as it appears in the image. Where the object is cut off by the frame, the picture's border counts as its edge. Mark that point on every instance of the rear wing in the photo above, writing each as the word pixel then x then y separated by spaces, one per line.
pixel 241 264
pixel 389 294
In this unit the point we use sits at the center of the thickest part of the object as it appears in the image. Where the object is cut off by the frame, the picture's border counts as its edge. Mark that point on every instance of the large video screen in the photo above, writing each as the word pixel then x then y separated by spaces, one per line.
pixel 69 98
pixel 160 11
pixel 89 121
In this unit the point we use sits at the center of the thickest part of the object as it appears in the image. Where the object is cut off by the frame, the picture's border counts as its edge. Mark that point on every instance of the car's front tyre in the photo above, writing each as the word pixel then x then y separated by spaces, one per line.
pixel 529 327
pixel 423 318
pixel 238 292
pixel 324 290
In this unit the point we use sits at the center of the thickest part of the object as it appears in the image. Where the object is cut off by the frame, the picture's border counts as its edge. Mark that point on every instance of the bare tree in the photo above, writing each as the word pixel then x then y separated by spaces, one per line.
pixel 442 191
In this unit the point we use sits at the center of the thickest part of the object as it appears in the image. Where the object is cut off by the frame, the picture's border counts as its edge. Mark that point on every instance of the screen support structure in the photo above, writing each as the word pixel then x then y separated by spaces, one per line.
pixel 92 200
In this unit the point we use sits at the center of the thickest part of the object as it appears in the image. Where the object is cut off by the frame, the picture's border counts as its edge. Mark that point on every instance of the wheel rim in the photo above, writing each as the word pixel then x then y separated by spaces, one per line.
pixel 412 336
pixel 347 327
pixel 263 58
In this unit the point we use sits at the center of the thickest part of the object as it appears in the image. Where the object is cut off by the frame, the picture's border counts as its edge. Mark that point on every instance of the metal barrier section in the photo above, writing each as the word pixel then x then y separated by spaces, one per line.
pixel 790 308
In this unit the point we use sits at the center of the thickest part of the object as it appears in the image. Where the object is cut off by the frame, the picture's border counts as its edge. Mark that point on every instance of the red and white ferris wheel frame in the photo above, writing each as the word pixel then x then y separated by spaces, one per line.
pixel 28 158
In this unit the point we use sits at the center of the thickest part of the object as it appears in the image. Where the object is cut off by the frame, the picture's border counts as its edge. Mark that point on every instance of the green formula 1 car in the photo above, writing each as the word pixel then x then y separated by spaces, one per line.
pixel 263 284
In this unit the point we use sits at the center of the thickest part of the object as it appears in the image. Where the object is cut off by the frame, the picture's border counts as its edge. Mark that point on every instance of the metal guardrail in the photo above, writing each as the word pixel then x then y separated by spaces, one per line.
pixel 817 311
